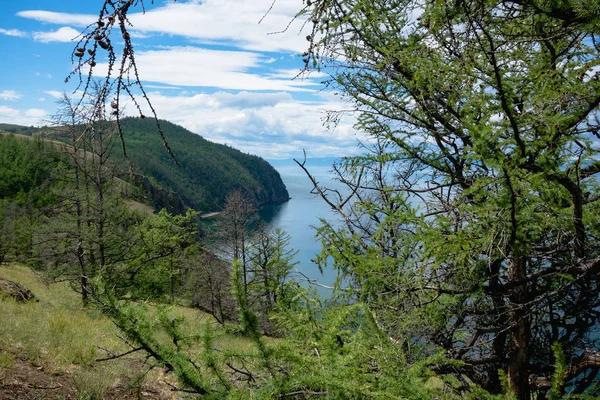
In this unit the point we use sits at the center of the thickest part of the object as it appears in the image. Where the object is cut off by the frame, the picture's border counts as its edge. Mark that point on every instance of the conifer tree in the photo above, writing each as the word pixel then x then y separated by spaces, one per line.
pixel 471 224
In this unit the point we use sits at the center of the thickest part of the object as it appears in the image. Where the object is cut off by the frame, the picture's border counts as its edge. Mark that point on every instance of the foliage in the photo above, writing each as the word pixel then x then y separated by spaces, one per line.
pixel 62 210
pixel 207 172
pixel 8 230
pixel 209 283
pixel 271 264
pixel 25 168
pixel 27 172
pixel 560 372
pixel 155 268
pixel 473 212
pixel 329 351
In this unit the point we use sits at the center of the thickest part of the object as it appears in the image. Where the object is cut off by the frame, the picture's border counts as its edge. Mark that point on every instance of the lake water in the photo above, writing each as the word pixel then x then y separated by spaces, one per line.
pixel 301 214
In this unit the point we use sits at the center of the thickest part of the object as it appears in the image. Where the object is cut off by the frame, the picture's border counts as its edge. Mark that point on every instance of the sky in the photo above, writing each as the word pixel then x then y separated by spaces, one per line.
pixel 215 67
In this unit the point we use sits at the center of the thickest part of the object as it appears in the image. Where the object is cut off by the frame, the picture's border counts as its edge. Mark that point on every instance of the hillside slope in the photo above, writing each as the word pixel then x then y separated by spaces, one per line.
pixel 206 174
pixel 207 171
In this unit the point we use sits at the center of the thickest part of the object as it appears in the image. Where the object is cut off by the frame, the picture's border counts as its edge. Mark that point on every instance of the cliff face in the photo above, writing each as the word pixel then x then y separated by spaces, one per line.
pixel 273 190
pixel 207 171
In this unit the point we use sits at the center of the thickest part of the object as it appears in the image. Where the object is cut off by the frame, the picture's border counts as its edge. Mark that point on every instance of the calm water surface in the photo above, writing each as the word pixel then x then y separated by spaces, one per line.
pixel 301 214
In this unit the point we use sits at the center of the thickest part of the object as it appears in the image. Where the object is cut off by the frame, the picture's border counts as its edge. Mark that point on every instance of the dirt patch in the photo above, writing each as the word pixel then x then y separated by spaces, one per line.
pixel 24 381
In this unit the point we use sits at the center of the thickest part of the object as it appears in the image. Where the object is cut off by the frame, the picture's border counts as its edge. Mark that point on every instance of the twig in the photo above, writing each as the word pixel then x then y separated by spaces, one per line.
pixel 176 389
pixel 115 356
pixel 249 376
pixel 268 11
pixel 314 281
pixel 309 392
pixel 34 386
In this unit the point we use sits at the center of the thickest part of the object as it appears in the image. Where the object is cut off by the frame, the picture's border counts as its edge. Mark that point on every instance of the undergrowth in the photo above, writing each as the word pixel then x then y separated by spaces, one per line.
pixel 58 336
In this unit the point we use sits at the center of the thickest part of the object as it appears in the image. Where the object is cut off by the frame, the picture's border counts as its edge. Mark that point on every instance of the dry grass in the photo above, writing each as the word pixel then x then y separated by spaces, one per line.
pixel 137 206
pixel 57 337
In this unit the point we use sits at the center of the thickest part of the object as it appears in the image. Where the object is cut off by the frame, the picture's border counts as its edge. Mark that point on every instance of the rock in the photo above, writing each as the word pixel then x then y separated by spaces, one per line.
pixel 15 290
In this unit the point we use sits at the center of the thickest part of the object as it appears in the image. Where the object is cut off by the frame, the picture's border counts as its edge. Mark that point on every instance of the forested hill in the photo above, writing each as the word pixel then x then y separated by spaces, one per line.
pixel 207 171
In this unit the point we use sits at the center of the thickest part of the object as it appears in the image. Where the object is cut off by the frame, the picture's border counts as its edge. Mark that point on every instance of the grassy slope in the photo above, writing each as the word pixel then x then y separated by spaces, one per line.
pixel 49 348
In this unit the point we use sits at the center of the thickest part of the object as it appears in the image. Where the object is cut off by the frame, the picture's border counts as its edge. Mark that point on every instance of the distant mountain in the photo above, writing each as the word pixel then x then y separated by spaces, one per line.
pixel 24 130
pixel 206 174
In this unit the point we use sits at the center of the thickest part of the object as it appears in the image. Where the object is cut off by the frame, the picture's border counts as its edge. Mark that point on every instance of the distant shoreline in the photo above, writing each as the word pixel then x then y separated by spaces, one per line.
pixel 210 214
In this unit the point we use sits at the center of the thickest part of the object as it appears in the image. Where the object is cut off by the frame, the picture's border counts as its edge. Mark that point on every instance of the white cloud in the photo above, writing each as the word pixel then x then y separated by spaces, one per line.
pixel 8 111
pixel 193 66
pixel 138 35
pixel 54 93
pixel 64 34
pixel 59 18
pixel 13 32
pixel 10 95
pixel 268 124
pixel 297 74
pixel 35 113
pixel 208 21
pixel 250 99
pixel 28 117
pixel 162 87
pixel 263 116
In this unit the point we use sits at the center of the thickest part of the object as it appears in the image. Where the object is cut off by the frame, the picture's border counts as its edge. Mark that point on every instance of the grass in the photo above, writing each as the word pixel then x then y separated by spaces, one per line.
pixel 54 332
pixel 56 335
pixel 140 207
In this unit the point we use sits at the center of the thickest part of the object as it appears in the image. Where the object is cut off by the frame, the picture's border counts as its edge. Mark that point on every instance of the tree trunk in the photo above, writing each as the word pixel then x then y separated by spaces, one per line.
pixel 517 372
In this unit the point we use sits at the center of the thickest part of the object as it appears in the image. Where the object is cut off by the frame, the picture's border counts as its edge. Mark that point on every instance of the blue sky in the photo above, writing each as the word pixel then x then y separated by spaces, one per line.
pixel 207 65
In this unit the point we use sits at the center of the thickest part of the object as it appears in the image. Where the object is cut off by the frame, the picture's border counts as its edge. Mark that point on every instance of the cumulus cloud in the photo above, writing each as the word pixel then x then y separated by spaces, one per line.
pixel 208 21
pixel 54 93
pixel 59 18
pixel 257 106
pixel 64 34
pixel 28 117
pixel 13 32
pixel 36 113
pixel 250 100
pixel 272 125
pixel 194 66
pixel 10 95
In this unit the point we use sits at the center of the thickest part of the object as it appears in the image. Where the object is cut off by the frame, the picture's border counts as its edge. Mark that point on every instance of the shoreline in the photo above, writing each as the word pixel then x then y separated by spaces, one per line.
pixel 210 214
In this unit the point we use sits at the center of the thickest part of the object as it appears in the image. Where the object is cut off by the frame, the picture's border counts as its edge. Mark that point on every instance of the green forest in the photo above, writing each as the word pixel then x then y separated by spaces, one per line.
pixel 199 174
pixel 467 250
